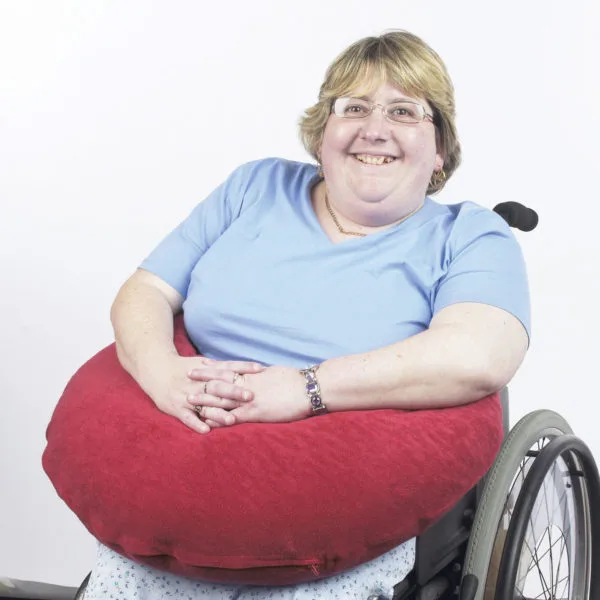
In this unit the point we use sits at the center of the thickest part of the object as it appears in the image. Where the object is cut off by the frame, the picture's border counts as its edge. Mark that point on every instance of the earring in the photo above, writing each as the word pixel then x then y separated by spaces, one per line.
pixel 320 171
pixel 437 178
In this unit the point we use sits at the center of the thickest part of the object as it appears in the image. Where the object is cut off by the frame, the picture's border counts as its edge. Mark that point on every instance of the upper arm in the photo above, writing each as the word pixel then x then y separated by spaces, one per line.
pixel 483 296
pixel 484 265
pixel 495 339
pixel 175 257
pixel 144 278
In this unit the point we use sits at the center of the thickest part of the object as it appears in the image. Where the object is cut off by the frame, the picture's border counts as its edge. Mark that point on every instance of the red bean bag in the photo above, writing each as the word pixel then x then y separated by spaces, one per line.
pixel 263 504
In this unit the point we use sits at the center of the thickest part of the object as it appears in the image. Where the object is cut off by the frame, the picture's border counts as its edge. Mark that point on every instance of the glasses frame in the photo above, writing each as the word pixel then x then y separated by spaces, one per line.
pixel 372 105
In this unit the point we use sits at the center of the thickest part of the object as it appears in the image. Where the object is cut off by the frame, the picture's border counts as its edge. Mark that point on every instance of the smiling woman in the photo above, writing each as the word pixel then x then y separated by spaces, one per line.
pixel 412 133
pixel 347 287
pixel 378 163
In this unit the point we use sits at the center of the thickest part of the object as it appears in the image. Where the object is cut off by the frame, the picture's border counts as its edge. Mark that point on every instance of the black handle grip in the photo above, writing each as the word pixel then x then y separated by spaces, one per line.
pixel 517 215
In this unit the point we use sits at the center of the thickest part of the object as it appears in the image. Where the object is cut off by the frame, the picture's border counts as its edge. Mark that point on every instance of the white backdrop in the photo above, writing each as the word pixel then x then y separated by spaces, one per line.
pixel 117 117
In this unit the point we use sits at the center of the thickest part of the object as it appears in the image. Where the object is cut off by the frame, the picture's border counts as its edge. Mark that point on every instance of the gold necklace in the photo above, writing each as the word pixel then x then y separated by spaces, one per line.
pixel 342 230
pixel 337 223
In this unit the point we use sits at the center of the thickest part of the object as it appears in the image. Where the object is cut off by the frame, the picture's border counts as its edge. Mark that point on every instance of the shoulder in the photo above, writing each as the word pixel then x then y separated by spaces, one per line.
pixel 466 222
pixel 482 262
pixel 265 181
pixel 469 215
pixel 275 170
pixel 472 213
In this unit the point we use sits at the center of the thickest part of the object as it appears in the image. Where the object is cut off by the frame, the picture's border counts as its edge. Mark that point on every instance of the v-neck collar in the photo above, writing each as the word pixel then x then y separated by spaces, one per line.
pixel 415 220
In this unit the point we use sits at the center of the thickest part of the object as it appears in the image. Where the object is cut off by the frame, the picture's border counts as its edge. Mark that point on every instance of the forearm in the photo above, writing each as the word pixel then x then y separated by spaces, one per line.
pixel 142 319
pixel 432 369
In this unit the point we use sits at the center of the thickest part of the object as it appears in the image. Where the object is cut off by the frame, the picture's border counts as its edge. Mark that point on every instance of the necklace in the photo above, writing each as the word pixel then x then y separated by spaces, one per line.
pixel 356 233
pixel 337 223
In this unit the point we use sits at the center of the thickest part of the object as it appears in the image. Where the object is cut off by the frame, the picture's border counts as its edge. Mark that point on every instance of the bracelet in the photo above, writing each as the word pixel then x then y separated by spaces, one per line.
pixel 313 390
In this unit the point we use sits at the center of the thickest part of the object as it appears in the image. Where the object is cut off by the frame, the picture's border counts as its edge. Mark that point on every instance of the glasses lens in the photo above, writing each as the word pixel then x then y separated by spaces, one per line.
pixel 405 112
pixel 351 108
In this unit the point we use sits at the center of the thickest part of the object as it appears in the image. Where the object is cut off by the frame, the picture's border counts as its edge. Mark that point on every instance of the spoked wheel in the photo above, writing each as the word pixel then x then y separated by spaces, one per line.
pixel 503 486
pixel 553 537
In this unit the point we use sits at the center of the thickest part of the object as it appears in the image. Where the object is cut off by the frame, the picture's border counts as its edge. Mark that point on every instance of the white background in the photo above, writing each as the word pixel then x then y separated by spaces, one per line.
pixel 117 117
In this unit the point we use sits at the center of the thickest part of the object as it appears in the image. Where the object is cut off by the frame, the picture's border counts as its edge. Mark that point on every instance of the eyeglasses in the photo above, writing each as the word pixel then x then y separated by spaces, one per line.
pixel 405 111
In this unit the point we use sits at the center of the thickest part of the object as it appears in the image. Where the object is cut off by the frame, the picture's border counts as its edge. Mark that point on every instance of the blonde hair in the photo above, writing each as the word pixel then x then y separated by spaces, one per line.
pixel 404 61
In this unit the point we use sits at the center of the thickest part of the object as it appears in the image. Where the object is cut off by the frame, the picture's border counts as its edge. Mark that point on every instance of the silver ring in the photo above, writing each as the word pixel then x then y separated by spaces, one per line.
pixel 204 389
pixel 199 410
pixel 236 376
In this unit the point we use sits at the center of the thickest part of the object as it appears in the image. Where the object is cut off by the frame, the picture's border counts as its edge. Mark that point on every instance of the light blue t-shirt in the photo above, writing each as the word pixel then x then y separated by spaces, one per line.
pixel 262 281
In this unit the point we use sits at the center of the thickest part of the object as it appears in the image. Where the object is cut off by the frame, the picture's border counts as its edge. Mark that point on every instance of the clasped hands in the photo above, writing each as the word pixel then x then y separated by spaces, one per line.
pixel 205 394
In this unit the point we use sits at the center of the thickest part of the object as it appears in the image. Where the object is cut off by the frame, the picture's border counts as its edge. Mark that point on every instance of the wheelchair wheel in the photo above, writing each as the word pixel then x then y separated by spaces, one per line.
pixel 553 538
pixel 503 484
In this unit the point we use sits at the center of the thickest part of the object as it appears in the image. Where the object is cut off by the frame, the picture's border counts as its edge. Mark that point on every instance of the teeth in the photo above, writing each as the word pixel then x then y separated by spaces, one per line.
pixel 374 160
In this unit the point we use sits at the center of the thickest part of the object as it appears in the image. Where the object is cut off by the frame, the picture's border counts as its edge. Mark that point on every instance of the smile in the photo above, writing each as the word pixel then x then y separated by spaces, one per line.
pixel 369 159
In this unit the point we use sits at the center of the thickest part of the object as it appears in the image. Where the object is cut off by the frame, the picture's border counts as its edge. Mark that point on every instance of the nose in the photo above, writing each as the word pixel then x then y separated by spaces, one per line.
pixel 376 126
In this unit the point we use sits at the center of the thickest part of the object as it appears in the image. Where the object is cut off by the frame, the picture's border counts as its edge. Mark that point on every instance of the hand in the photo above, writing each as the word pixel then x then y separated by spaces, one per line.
pixel 177 393
pixel 279 396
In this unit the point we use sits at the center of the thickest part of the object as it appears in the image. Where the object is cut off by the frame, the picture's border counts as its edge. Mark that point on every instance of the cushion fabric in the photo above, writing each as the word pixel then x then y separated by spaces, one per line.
pixel 263 504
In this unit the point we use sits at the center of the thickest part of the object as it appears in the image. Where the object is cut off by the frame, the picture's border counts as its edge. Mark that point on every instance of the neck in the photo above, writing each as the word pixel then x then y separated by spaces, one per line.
pixel 349 227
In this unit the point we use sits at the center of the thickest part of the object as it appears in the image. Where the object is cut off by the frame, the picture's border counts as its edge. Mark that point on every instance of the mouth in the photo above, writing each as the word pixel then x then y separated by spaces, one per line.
pixel 370 159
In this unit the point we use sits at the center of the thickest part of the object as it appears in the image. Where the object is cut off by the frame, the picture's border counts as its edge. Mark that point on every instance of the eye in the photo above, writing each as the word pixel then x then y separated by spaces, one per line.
pixel 355 107
pixel 351 108
pixel 405 111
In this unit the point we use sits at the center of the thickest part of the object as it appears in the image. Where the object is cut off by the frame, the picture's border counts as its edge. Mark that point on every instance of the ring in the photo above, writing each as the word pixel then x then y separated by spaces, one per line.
pixel 236 376
pixel 204 389
pixel 199 410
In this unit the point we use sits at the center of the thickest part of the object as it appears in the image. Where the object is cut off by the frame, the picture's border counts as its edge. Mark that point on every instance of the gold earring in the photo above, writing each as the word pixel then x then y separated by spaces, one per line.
pixel 438 177
pixel 320 171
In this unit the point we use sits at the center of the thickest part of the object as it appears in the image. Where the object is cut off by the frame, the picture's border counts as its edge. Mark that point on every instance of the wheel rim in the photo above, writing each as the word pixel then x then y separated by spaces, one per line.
pixel 548 547
pixel 555 555
pixel 482 555
pixel 507 512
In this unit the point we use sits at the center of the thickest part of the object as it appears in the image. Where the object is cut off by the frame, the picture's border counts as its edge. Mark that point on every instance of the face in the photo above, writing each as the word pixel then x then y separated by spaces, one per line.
pixel 366 188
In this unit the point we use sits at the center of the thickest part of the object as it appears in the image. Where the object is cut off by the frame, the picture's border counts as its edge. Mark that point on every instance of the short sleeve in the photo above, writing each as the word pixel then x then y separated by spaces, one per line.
pixel 485 264
pixel 177 254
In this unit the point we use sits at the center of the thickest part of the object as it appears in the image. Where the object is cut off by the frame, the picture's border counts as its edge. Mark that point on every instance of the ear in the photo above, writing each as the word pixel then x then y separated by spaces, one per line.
pixel 440 154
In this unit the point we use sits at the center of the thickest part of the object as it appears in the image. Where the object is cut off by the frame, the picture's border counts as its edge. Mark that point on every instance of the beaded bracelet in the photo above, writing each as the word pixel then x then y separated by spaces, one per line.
pixel 313 391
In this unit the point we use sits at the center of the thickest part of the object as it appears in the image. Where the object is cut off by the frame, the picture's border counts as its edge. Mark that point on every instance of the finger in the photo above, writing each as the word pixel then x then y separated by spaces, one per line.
pixel 224 371
pixel 243 414
pixel 210 373
pixel 218 415
pixel 212 400
pixel 229 390
pixel 190 418
pixel 240 366
pixel 222 383
pixel 213 424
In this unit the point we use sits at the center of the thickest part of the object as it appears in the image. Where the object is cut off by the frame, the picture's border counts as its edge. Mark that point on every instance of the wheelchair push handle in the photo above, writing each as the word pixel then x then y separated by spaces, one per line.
pixel 517 215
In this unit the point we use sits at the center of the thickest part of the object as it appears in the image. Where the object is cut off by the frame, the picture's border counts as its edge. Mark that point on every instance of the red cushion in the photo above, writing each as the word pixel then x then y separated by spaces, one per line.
pixel 257 503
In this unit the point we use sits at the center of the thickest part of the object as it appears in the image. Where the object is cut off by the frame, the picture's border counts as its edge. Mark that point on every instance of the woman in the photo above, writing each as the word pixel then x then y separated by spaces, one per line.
pixel 396 301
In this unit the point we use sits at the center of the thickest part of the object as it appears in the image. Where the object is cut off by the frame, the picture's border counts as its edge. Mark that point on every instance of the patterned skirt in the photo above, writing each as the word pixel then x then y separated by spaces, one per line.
pixel 119 578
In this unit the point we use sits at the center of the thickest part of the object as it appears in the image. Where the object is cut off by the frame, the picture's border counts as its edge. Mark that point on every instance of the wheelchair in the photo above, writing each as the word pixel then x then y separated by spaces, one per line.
pixel 529 529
